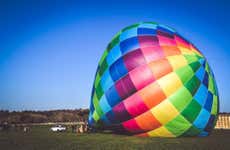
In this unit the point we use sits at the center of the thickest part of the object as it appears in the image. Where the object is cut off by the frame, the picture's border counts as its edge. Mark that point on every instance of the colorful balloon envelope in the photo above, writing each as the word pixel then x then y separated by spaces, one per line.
pixel 151 81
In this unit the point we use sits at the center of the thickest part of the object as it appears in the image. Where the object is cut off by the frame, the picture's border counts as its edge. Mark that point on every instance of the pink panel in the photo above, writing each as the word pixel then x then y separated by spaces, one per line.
pixel 141 76
pixel 131 126
pixel 135 105
pixel 152 53
pixel 181 41
pixel 164 41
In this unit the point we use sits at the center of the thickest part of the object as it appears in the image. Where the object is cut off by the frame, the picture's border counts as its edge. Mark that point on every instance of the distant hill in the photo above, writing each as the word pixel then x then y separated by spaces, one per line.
pixel 17 117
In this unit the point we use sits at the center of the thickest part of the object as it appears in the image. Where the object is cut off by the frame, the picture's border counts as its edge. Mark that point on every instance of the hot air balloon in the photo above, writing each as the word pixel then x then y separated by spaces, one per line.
pixel 151 81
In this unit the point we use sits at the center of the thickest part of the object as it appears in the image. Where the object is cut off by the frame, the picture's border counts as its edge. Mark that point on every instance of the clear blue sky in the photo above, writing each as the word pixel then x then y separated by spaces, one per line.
pixel 49 50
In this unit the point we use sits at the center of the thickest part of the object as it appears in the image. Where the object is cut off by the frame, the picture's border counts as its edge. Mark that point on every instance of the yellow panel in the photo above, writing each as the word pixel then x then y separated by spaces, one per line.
pixel 170 83
pixel 177 61
pixel 160 132
pixel 164 112
pixel 186 51
pixel 195 51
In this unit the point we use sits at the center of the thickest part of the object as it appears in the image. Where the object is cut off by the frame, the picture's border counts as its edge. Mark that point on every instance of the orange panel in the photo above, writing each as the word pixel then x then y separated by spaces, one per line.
pixel 160 68
pixel 142 135
pixel 151 124
pixel 170 50
pixel 152 95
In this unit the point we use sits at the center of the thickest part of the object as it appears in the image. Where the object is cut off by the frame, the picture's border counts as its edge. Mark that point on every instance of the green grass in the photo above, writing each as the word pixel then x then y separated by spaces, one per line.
pixel 40 138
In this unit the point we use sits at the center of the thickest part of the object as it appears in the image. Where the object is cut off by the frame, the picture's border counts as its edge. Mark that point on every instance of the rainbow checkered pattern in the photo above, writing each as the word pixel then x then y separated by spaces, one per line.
pixel 151 81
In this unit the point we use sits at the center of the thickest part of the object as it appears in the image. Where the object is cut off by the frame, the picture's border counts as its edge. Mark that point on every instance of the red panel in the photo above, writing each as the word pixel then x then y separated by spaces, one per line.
pixel 131 126
pixel 181 42
pixel 165 41
pixel 135 105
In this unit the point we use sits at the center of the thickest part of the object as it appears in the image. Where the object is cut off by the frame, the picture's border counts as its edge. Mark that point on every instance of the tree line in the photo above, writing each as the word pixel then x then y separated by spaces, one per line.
pixel 20 117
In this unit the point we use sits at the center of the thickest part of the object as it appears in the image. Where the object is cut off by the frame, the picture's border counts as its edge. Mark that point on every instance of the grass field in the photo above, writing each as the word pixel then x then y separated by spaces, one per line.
pixel 40 138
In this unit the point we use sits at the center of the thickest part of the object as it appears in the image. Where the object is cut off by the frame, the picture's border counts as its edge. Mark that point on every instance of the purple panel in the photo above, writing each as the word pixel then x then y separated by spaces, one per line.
pixel 165 34
pixel 146 41
pixel 121 113
pixel 125 87
pixel 134 59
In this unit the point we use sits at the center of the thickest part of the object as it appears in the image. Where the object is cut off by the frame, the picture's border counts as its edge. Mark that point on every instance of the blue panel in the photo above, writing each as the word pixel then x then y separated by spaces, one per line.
pixel 200 73
pixel 113 55
pixel 111 117
pixel 209 101
pixel 166 29
pixel 210 124
pixel 146 31
pixel 112 96
pixel 202 119
pixel 129 45
pixel 203 134
pixel 148 25
pixel 205 80
pixel 106 81
pixel 91 120
pixel 201 95
pixel 91 105
pixel 104 104
pixel 118 70
pixel 128 34
pixel 105 120
pixel 202 61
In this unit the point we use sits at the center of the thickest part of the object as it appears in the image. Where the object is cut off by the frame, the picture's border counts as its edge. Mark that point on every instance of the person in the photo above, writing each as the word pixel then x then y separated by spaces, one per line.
pixel 73 128
pixel 81 129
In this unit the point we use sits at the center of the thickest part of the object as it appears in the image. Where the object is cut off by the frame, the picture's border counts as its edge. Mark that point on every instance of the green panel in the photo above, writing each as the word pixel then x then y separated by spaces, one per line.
pixel 181 98
pixel 99 91
pixel 184 73
pixel 191 58
pixel 97 106
pixel 195 66
pixel 192 131
pixel 191 111
pixel 199 57
pixel 95 99
pixel 193 84
pixel 103 57
pixel 98 109
pixel 154 23
pixel 97 80
pixel 214 105
pixel 211 84
pixel 215 88
pixel 95 116
pixel 103 67
pixel 130 27
pixel 216 118
pixel 178 125
pixel 207 68
pixel 114 41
